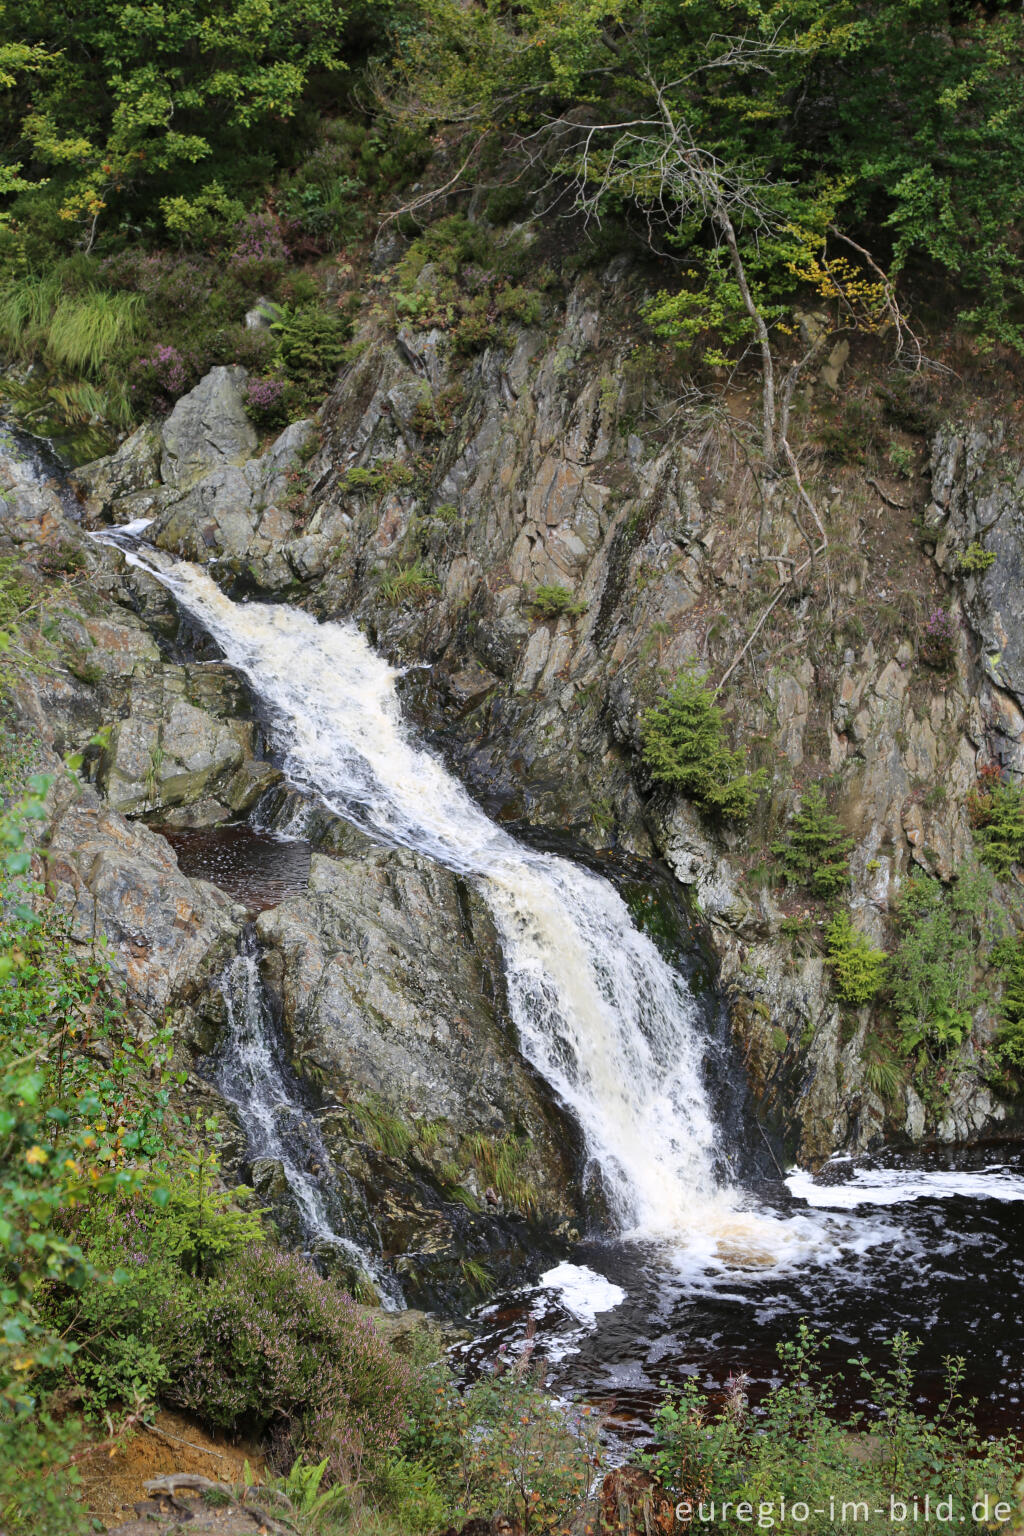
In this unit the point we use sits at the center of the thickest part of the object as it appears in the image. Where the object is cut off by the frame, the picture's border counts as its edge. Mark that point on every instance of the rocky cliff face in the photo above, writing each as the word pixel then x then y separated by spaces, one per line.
pixel 553 468
pixel 385 977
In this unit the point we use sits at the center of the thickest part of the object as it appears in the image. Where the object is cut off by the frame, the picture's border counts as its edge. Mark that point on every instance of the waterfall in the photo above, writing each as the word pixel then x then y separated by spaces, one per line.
pixel 600 1014
pixel 252 1074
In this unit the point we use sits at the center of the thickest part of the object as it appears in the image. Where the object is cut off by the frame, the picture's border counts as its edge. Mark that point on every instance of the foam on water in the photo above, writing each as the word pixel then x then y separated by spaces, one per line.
pixel 897 1186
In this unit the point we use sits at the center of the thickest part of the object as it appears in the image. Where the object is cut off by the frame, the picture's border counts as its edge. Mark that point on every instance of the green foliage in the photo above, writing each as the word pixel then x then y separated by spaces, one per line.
pixel 503 1447
pixel 798 1446
pixel 384 475
pixel 202 1223
pixel 816 850
pixel 998 816
pixel 500 1162
pixel 683 745
pixel 552 601
pixel 932 970
pixel 122 102
pixel 310 345
pixel 269 1344
pixel 900 124
pixel 858 967
pixel 883 1071
pixel 456 278
pixel 1009 957
pixel 476 1276
pixel 208 218
pixel 410 584
pixel 975 560
pixel 384 1130
pixel 80 331
pixel 81 1106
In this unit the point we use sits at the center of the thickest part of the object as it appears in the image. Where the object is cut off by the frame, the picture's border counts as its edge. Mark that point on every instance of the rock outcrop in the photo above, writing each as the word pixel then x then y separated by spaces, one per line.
pixel 656 547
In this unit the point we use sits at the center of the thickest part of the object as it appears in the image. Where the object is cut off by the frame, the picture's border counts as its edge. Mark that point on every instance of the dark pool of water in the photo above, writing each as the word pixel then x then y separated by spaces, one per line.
pixel 949 1271
pixel 256 868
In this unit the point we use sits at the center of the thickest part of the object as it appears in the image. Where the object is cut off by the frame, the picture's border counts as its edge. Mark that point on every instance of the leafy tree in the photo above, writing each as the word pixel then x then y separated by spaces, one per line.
pixel 683 744
pixel 816 850
pixel 113 100
pixel 775 141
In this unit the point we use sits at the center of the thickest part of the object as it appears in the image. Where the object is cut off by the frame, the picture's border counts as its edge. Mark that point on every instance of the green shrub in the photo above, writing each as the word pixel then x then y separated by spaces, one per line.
pixel 524 306
pixel 552 600
pixel 79 1102
pixel 858 967
pixel 310 346
pixel 998 815
pixel 799 1446
pixel 683 745
pixel 208 218
pixel 153 1252
pixel 975 560
pixel 505 203
pixel 275 1348
pixel 931 972
pixel 816 850
pixel 1009 958
pixel 503 1447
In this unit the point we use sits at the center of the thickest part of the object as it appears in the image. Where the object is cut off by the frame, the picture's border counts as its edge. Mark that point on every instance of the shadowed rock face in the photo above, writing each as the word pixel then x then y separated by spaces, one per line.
pixel 388 975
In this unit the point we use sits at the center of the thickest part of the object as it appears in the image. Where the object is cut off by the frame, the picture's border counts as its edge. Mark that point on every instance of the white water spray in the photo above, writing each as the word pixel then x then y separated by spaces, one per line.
pixel 251 1075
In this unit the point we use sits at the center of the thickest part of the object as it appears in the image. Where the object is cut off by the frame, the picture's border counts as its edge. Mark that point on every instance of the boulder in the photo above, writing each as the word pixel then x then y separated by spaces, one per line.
pixel 171 751
pixel 167 936
pixel 388 976
pixel 207 429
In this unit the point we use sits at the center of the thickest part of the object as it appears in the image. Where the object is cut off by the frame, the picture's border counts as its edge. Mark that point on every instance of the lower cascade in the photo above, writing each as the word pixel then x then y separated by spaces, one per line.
pixel 600 1014
pixel 253 1076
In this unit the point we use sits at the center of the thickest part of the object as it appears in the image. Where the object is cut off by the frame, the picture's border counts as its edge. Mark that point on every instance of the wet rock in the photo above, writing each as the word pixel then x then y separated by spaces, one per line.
pixel 134 467
pixel 388 974
pixel 240 512
pixel 170 752
pixel 167 936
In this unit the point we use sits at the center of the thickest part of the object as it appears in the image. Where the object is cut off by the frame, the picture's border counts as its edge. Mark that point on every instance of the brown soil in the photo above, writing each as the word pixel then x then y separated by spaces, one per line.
pixel 112 1479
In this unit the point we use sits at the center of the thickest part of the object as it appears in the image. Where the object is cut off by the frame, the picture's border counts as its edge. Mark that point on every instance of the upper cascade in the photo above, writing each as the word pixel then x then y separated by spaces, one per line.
pixel 600 1014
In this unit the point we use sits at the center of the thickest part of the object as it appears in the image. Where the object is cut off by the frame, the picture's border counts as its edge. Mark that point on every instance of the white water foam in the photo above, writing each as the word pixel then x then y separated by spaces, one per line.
pixel 250 1076
pixel 582 1291
pixel 897 1186
pixel 607 1022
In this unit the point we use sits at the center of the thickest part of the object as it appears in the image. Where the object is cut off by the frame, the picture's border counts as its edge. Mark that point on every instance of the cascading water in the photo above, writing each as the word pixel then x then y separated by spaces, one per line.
pixel 600 1014
pixel 614 1032
pixel 252 1074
